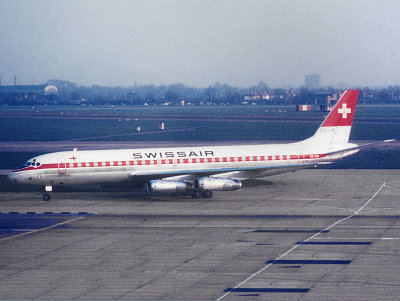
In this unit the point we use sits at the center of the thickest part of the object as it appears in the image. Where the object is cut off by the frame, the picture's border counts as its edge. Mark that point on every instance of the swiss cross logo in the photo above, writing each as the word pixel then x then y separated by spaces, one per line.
pixel 344 110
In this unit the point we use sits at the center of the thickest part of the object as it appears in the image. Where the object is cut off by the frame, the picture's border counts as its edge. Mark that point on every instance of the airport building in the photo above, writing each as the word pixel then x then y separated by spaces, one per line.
pixel 252 96
pixel 303 108
pixel 312 81
pixel 27 94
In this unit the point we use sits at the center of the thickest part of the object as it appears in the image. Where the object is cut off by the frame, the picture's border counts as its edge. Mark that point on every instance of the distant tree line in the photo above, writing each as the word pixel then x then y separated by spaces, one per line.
pixel 218 93
pixel 70 93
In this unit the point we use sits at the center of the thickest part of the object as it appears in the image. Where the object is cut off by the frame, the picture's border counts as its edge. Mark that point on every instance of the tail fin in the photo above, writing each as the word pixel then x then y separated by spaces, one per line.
pixel 335 130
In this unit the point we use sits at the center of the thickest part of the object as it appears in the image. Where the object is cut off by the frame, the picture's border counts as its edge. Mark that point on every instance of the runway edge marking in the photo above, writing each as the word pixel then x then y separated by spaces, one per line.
pixel 355 213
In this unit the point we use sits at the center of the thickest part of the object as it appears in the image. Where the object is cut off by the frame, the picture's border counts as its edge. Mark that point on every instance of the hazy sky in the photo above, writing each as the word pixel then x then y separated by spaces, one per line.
pixel 116 42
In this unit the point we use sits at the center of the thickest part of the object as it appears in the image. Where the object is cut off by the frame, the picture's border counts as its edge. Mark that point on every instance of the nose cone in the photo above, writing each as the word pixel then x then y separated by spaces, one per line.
pixel 12 177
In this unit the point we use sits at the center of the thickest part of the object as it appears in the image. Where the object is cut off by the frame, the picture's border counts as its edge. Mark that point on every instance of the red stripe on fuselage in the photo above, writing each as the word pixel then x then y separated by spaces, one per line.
pixel 103 164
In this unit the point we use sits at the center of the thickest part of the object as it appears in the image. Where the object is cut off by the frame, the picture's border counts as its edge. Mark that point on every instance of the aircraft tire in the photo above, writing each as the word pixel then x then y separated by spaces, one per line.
pixel 195 195
pixel 46 197
pixel 207 194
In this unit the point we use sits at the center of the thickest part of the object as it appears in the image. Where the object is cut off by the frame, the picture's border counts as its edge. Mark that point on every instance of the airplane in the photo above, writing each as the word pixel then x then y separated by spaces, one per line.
pixel 195 171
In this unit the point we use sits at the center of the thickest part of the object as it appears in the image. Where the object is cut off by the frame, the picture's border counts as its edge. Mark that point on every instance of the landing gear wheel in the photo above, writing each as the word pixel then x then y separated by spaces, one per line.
pixel 206 194
pixel 46 197
pixel 195 195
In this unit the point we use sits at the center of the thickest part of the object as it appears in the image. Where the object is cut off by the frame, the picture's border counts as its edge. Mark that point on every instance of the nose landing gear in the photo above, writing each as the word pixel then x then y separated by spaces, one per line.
pixel 46 196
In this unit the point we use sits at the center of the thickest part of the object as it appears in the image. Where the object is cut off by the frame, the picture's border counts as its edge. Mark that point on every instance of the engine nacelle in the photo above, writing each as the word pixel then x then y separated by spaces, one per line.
pixel 168 187
pixel 217 184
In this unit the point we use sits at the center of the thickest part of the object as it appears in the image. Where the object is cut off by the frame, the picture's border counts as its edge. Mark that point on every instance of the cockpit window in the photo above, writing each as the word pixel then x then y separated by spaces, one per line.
pixel 33 163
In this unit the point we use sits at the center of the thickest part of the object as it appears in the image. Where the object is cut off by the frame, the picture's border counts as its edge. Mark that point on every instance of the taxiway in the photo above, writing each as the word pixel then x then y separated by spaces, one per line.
pixel 309 235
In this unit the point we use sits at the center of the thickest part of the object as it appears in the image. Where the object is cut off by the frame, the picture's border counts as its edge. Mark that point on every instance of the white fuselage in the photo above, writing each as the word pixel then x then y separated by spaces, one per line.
pixel 112 166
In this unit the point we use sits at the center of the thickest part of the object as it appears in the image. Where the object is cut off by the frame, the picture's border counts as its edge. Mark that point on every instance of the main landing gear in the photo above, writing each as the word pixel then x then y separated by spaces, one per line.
pixel 206 194
pixel 46 196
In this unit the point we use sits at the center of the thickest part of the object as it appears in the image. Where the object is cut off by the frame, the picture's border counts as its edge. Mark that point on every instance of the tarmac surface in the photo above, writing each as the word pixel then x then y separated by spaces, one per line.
pixel 309 235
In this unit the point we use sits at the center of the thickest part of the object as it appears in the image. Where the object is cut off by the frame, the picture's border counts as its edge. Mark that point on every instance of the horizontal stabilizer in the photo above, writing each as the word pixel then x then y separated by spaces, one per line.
pixel 356 148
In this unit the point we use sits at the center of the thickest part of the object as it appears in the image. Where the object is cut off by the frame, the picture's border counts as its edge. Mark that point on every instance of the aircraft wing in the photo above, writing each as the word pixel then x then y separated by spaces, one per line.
pixel 233 173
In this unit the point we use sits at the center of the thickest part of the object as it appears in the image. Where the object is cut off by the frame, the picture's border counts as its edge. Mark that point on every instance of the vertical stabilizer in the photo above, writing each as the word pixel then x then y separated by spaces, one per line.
pixel 335 130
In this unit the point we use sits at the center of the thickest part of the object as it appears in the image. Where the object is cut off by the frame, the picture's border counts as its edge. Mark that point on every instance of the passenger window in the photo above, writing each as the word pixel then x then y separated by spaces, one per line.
pixel 37 164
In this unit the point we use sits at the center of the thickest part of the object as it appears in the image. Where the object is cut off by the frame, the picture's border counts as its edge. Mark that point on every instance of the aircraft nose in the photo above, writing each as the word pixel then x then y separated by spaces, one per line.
pixel 12 177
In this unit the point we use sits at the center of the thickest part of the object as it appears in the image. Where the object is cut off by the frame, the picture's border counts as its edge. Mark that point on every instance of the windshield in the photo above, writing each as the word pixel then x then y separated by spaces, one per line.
pixel 33 163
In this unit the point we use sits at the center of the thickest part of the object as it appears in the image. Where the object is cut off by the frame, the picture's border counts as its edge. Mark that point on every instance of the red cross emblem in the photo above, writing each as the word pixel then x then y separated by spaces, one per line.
pixel 73 158
pixel 344 110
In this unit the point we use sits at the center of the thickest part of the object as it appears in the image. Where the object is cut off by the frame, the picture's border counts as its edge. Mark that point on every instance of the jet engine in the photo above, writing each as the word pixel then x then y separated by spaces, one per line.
pixel 217 184
pixel 168 187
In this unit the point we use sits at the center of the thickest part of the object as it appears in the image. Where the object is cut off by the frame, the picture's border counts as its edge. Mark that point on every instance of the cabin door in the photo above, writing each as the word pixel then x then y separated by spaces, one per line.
pixel 62 166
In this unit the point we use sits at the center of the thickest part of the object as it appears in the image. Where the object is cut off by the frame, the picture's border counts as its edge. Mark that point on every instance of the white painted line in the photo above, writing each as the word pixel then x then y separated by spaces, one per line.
pixel 308 239
pixel 42 229
pixel 373 197
pixel 281 256
pixel 357 238
pixel 256 273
